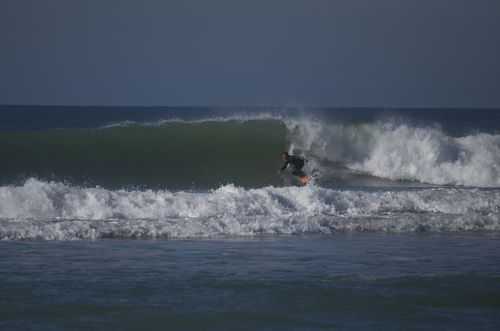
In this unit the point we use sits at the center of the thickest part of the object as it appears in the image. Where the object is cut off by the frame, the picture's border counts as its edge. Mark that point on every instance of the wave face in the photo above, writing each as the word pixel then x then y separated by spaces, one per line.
pixel 175 154
pixel 52 210
pixel 245 151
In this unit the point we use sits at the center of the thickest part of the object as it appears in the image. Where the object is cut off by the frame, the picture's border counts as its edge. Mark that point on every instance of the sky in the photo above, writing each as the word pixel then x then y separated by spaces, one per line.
pixel 331 53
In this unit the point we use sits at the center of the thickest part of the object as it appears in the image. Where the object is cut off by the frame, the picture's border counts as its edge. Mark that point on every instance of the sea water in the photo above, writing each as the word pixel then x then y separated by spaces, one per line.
pixel 399 229
pixel 289 282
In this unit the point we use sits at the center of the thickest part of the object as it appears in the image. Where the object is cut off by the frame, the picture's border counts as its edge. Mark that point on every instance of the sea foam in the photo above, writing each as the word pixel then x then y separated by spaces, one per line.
pixel 400 151
pixel 54 210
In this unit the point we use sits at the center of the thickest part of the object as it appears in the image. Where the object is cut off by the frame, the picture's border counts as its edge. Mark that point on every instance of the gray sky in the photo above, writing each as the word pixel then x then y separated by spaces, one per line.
pixel 376 53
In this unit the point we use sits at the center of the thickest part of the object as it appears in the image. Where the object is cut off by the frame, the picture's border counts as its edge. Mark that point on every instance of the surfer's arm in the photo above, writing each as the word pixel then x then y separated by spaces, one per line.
pixel 284 166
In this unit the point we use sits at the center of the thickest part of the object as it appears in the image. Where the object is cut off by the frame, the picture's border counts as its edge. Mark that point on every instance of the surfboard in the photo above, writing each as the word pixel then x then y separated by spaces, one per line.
pixel 304 179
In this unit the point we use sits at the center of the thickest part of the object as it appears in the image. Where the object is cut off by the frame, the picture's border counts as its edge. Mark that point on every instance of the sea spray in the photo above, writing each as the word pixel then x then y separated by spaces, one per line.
pixel 402 151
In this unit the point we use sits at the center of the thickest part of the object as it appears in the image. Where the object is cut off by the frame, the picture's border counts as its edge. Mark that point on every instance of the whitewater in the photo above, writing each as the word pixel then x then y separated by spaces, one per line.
pixel 404 152
pixel 50 210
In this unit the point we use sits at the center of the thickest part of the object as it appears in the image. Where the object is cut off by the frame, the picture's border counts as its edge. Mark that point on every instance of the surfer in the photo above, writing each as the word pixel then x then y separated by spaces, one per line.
pixel 297 163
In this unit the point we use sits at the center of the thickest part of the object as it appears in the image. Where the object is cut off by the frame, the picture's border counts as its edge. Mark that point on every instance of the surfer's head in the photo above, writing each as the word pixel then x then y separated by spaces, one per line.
pixel 284 156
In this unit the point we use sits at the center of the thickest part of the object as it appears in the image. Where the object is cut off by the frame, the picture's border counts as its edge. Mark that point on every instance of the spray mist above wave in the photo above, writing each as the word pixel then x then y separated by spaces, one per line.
pixel 52 210
pixel 237 118
pixel 401 151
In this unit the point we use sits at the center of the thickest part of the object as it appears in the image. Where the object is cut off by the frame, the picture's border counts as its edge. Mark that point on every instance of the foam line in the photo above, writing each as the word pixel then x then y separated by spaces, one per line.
pixel 53 210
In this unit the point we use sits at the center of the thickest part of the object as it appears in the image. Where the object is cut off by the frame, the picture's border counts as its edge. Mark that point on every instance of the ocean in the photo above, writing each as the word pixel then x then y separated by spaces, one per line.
pixel 176 218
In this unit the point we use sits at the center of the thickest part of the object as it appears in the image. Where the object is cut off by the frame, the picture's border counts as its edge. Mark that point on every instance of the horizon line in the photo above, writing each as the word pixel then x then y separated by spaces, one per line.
pixel 245 106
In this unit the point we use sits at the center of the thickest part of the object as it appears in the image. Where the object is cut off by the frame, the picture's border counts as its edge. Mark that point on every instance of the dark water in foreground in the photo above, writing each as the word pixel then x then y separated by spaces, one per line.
pixel 304 282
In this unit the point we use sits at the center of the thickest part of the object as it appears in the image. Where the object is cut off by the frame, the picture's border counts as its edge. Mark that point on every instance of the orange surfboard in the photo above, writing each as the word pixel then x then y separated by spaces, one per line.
pixel 304 179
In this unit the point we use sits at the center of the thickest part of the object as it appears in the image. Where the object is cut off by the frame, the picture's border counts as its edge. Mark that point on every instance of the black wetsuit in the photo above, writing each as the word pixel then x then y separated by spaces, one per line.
pixel 297 163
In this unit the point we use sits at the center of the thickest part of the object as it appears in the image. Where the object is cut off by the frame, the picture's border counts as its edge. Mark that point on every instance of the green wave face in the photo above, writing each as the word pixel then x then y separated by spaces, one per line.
pixel 173 155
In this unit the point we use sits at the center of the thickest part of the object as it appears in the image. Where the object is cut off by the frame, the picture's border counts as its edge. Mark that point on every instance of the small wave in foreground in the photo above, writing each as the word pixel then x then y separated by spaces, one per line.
pixel 53 210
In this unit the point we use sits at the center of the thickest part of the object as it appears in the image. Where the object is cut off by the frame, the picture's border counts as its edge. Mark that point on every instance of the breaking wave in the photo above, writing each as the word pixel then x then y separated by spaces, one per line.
pixel 54 210
pixel 245 151
pixel 403 152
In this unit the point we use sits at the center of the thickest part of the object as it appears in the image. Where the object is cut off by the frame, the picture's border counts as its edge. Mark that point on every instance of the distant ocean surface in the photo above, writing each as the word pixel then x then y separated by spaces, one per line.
pixel 399 230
